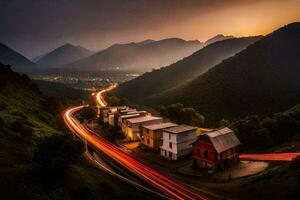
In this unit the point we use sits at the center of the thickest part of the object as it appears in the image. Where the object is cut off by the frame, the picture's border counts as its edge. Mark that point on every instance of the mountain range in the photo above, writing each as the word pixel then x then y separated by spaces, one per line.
pixel 63 55
pixel 262 79
pixel 168 78
pixel 142 56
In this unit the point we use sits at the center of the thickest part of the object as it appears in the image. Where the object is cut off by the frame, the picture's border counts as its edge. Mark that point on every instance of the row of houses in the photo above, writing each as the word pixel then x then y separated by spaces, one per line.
pixel 210 149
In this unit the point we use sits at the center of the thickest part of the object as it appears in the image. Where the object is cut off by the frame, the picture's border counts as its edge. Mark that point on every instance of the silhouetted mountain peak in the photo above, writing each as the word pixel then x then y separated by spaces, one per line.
pixel 64 54
pixel 146 41
pixel 217 38
pixel 18 62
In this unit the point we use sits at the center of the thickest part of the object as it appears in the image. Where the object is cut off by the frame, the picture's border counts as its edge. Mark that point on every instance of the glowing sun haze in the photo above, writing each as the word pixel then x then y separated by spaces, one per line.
pixel 32 27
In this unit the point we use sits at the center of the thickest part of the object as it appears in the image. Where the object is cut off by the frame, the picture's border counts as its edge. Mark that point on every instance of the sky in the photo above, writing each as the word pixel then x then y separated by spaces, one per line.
pixel 33 27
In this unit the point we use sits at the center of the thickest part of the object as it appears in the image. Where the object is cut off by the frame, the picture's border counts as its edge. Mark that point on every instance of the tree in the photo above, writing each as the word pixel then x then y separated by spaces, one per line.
pixel 55 154
pixel 182 115
pixel 88 113
pixel 53 105
pixel 251 134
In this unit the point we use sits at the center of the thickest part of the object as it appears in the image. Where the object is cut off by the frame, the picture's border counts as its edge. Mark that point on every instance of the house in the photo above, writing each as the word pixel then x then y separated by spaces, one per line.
pixel 216 149
pixel 107 115
pixel 152 134
pixel 133 126
pixel 177 141
pixel 122 119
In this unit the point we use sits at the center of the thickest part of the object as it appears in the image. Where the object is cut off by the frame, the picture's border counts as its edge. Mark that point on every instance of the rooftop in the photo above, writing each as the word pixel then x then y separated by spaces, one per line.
pixel 143 119
pixel 128 116
pixel 180 129
pixel 223 139
pixel 160 126
pixel 127 110
pixel 136 112
pixel 201 131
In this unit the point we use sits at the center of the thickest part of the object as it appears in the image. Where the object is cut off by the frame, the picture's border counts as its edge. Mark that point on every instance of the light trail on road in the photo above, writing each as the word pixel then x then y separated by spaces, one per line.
pixel 270 156
pixel 152 177
pixel 99 98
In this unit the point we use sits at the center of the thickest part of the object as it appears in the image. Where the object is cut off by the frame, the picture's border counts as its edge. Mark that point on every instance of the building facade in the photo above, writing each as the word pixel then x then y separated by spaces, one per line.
pixel 152 134
pixel 177 141
pixel 133 126
pixel 216 149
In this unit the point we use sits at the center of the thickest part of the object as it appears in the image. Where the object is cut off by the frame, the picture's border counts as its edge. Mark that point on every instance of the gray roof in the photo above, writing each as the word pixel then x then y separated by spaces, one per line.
pixel 143 119
pixel 160 126
pixel 180 129
pixel 127 110
pixel 223 139
pixel 136 112
pixel 129 116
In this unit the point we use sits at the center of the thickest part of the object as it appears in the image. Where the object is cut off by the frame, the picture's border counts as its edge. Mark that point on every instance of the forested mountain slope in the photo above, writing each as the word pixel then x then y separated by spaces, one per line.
pixel 262 79
pixel 170 77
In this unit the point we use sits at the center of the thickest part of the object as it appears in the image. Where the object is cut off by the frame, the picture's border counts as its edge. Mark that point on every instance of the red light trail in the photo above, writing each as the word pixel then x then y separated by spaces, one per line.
pixel 154 178
pixel 270 156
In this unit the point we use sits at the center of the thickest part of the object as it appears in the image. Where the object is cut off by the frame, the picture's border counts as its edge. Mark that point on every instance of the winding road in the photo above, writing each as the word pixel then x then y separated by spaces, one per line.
pixel 167 186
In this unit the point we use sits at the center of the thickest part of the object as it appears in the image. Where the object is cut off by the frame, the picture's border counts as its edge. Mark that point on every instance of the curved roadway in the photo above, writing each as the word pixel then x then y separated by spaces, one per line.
pixel 154 178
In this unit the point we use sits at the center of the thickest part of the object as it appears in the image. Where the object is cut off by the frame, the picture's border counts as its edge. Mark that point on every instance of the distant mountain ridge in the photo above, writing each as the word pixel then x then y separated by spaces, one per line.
pixel 217 38
pixel 18 62
pixel 141 56
pixel 262 79
pixel 63 55
pixel 165 79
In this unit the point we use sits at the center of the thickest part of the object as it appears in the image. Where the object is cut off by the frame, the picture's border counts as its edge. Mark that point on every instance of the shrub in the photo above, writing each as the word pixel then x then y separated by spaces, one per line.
pixel 55 154
pixel 88 113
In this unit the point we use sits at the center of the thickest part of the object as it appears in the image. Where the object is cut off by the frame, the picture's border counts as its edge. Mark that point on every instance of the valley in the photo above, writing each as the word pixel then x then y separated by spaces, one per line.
pixel 152 100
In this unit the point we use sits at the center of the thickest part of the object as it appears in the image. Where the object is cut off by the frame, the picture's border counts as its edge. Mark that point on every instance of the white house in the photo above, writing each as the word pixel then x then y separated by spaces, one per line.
pixel 177 141
pixel 133 126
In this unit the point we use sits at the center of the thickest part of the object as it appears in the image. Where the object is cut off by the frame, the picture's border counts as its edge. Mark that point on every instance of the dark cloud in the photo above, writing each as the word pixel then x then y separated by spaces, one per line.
pixel 35 26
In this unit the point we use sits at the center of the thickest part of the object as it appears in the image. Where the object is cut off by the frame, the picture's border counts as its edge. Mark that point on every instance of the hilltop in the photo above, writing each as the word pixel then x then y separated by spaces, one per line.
pixel 217 38
pixel 64 54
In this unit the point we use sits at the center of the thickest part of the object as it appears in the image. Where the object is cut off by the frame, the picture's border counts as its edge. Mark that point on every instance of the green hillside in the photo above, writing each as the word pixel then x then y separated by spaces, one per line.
pixel 32 134
pixel 139 90
pixel 262 79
